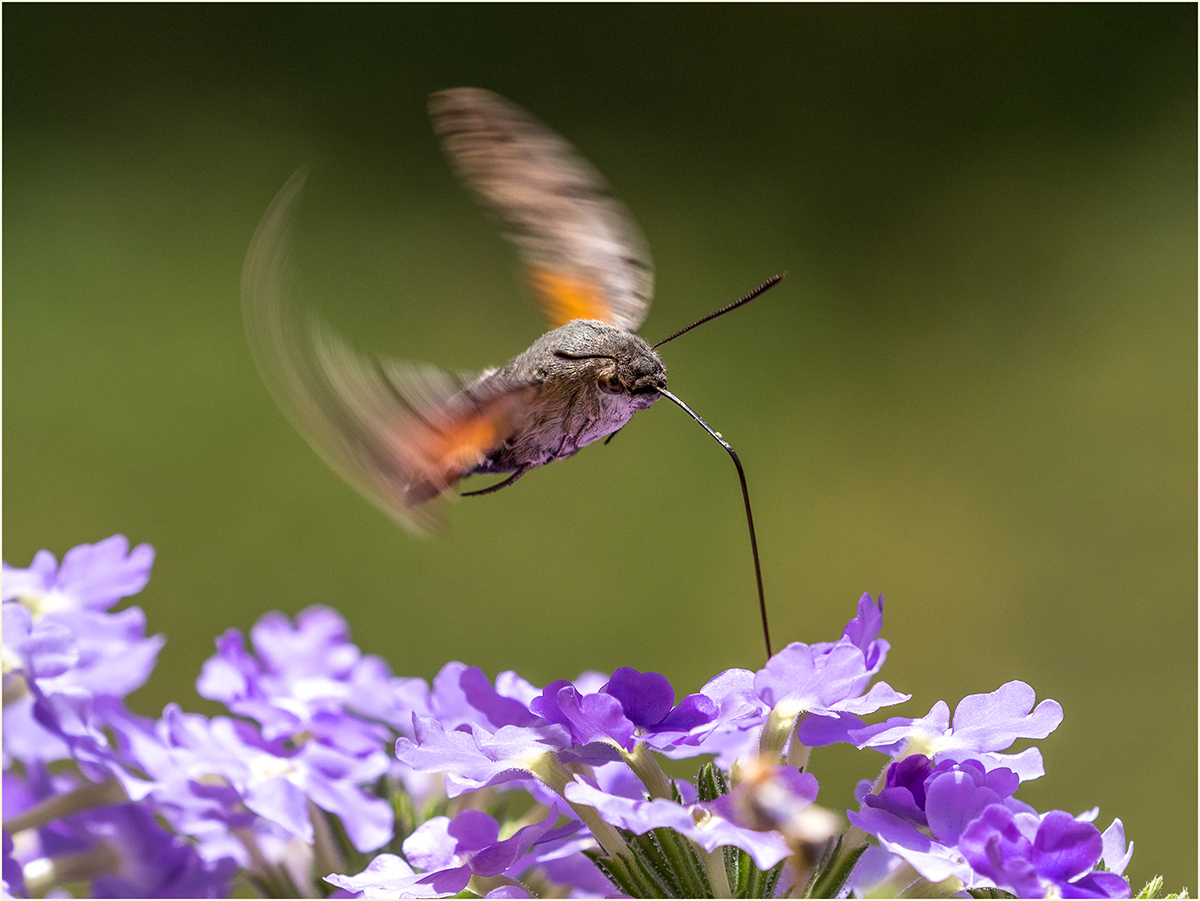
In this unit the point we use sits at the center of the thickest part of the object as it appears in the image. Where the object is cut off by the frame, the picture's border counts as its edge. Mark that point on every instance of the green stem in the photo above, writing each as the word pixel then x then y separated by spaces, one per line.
pixel 549 770
pixel 87 796
pixel 798 754
pixel 15 689
pixel 896 882
pixel 776 733
pixel 274 882
pixel 47 872
pixel 481 885
pixel 646 767
pixel 405 816
pixel 922 888
pixel 327 858
pixel 714 868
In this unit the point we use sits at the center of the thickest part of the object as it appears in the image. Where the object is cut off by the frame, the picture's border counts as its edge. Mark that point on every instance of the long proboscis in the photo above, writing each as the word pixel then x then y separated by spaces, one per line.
pixel 729 307
pixel 762 602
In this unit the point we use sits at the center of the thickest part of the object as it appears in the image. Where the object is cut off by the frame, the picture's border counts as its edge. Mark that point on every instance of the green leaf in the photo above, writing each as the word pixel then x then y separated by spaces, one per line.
pixel 711 783
pixel 761 883
pixel 835 867
pixel 1152 889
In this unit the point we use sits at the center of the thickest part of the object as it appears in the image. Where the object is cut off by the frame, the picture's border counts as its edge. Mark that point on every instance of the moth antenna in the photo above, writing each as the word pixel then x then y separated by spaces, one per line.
pixel 765 286
pixel 762 603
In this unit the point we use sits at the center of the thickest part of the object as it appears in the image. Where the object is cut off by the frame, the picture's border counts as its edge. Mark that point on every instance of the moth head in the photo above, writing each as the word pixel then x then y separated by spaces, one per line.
pixel 619 363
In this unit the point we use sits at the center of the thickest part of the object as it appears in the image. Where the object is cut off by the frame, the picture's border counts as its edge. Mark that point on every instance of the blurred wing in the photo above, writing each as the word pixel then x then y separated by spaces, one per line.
pixel 584 255
pixel 400 434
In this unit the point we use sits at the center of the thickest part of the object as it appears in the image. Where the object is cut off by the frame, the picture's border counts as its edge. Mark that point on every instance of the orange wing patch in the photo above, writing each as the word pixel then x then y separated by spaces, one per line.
pixel 564 297
pixel 439 456
pixel 464 444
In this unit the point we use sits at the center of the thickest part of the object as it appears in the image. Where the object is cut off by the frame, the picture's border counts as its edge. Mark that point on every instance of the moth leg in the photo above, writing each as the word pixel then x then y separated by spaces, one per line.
pixel 611 436
pixel 512 478
pixel 558 454
pixel 574 439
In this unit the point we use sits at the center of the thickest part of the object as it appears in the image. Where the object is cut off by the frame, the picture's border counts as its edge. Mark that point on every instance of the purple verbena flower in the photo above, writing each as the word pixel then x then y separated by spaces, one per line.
pixel 65 639
pixel 37 649
pixel 588 717
pixel 1116 855
pixel 984 724
pixel 472 757
pixel 800 679
pixel 68 663
pixel 259 794
pixel 630 707
pixel 826 681
pixel 922 810
pixel 311 680
pixel 91 577
pixel 946 796
pixel 120 849
pixel 863 632
pixel 648 701
pixel 462 696
pixel 482 735
pixel 218 773
pixel 1037 858
pixel 150 862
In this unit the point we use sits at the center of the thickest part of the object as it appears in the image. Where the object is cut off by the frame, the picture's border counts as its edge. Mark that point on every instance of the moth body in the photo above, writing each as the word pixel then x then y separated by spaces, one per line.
pixel 588 379
pixel 406 434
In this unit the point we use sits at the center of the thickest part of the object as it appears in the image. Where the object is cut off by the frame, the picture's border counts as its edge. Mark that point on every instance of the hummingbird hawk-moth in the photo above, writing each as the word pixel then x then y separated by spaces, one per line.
pixel 405 434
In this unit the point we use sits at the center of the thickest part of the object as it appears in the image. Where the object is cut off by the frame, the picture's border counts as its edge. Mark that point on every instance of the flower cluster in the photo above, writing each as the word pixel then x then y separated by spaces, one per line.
pixel 331 775
pixel 68 664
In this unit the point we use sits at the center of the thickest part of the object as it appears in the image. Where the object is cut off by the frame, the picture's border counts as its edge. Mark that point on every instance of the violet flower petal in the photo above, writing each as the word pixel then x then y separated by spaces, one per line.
pixel 934 860
pixel 798 679
pixel 36 580
pixel 957 796
pixel 1064 848
pixel 645 698
pixel 462 695
pixel 431 847
pixel 473 757
pixel 592 717
pixel 992 722
pixel 692 712
pixel 1035 858
pixel 154 862
pixel 864 629
pixel 98 575
pixel 984 725
pixel 42 650
pixel 388 876
pixel 820 730
pixel 1116 855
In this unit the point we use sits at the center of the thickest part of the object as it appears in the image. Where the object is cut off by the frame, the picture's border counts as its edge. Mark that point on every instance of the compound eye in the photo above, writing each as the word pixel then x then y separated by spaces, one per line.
pixel 610 384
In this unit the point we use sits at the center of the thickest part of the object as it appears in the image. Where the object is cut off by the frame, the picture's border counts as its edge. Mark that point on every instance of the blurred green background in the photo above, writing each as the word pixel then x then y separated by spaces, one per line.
pixel 974 393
